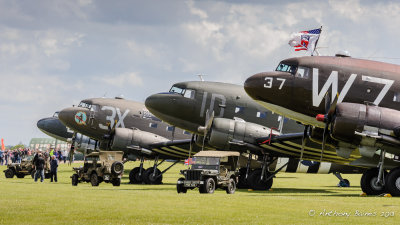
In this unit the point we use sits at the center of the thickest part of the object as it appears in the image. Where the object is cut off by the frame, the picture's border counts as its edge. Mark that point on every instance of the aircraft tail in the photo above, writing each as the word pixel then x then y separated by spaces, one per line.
pixel 2 145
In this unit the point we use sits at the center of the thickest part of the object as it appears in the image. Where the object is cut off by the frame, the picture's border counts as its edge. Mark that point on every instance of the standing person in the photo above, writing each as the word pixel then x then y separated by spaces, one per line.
pixel 39 166
pixel 1 157
pixel 53 168
pixel 64 155
pixel 51 152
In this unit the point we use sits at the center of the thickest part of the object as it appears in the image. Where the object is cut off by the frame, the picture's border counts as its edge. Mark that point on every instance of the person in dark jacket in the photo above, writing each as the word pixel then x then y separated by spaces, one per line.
pixel 53 168
pixel 39 166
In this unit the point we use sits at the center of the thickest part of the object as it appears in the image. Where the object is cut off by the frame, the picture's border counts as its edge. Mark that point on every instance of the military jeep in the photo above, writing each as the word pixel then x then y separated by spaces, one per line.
pixel 211 170
pixel 100 166
pixel 20 170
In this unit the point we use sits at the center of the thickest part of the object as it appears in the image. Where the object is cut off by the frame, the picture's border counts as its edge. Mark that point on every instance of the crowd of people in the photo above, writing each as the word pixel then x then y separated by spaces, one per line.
pixel 16 155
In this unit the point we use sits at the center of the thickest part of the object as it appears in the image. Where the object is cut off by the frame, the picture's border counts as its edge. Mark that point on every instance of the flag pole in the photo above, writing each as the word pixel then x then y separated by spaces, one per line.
pixel 315 47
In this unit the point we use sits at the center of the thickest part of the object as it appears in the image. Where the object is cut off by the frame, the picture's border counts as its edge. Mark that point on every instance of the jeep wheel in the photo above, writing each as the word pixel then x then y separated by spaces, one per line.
pixel 231 187
pixel 94 179
pixel 9 173
pixel 134 177
pixel 33 174
pixel 180 188
pixel 20 175
pixel 75 180
pixel 117 168
pixel 256 183
pixel 116 182
pixel 148 177
pixel 209 186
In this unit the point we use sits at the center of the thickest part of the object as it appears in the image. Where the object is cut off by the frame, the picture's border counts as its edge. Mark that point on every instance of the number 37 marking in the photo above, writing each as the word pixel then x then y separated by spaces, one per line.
pixel 269 80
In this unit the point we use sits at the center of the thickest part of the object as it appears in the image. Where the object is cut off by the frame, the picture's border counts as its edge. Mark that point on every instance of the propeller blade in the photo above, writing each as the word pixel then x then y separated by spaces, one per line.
pixel 324 137
pixel 327 102
pixel 332 107
pixel 190 149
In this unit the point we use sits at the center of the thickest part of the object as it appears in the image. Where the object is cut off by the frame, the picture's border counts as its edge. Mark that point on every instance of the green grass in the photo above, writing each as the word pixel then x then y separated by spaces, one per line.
pixel 23 201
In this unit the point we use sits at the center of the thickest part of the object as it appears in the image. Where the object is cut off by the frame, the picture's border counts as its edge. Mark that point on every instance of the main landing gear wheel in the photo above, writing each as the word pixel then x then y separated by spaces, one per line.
pixel 256 183
pixel 9 173
pixel 180 188
pixel 393 182
pixel 134 177
pixel 116 182
pixel 150 179
pixel 368 182
pixel 94 179
pixel 231 187
pixel 74 180
pixel 208 187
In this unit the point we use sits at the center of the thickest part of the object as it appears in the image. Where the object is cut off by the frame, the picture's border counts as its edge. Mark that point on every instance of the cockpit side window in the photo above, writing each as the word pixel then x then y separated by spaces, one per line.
pixel 302 72
pixel 286 68
pixel 189 93
pixel 56 114
pixel 177 90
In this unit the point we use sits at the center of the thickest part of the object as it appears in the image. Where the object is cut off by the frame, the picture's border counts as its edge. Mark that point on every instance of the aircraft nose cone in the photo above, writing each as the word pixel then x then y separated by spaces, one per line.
pixel 67 115
pixel 153 102
pixel 41 124
pixel 161 105
pixel 253 84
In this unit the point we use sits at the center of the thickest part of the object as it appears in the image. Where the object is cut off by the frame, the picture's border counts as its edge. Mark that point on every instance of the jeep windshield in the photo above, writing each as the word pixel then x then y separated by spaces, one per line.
pixel 208 163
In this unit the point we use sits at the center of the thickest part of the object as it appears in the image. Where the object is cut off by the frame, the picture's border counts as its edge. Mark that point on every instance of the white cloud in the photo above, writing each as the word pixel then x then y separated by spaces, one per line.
pixel 127 79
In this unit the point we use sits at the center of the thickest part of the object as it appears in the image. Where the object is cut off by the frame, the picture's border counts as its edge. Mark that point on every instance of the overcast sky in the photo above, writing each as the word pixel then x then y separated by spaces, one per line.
pixel 55 53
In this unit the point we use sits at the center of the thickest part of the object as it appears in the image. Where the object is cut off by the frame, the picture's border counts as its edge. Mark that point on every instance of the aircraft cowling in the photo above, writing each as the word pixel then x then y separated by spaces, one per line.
pixel 84 144
pixel 125 138
pixel 350 118
pixel 225 131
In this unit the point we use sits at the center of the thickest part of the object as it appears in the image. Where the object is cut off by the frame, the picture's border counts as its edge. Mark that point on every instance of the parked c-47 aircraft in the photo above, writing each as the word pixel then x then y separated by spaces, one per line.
pixel 238 123
pixel 360 116
pixel 122 125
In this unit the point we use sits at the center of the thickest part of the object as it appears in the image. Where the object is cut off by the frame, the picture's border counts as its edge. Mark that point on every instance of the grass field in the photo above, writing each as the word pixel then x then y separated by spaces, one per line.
pixel 292 200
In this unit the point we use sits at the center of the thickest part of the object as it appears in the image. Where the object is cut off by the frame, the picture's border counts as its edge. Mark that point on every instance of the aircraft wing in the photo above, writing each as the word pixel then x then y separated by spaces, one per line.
pixel 176 149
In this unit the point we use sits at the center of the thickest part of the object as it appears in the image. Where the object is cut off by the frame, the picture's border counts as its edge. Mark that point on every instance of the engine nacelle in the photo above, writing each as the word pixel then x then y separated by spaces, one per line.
pixel 223 131
pixel 351 118
pixel 84 144
pixel 125 138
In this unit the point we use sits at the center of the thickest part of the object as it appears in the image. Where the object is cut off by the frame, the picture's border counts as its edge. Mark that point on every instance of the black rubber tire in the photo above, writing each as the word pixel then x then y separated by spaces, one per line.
pixel 242 184
pixel 209 186
pixel 33 174
pixel 231 187
pixel 134 177
pixel 368 182
pixel 117 168
pixel 148 176
pixel 180 188
pixel 116 182
pixel 393 182
pixel 94 179
pixel 256 184
pixel 20 175
pixel 9 173
pixel 75 180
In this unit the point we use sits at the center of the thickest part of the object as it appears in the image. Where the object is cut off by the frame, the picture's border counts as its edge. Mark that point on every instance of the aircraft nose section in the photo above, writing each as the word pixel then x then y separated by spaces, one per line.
pixel 155 102
pixel 254 84
pixel 41 124
pixel 67 115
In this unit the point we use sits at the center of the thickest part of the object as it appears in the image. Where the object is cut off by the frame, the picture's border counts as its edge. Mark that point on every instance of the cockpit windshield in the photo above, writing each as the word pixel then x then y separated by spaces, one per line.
pixel 187 93
pixel 85 105
pixel 286 68
pixel 56 114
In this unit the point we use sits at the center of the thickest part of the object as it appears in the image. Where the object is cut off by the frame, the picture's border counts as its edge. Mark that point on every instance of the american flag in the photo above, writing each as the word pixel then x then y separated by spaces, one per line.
pixel 305 40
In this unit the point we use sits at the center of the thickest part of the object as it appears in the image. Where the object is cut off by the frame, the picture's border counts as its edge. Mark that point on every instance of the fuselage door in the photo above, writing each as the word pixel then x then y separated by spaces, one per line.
pixel 92 116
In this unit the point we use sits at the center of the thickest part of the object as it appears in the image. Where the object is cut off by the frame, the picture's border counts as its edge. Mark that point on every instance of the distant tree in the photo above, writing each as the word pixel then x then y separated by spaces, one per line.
pixel 18 146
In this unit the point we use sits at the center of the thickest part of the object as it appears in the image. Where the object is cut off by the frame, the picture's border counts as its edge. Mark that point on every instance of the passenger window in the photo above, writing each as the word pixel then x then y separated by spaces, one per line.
pixel 170 128
pixel 189 94
pixel 239 109
pixel 261 114
pixel 186 132
pixel 302 72
pixel 396 97
pixel 153 125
